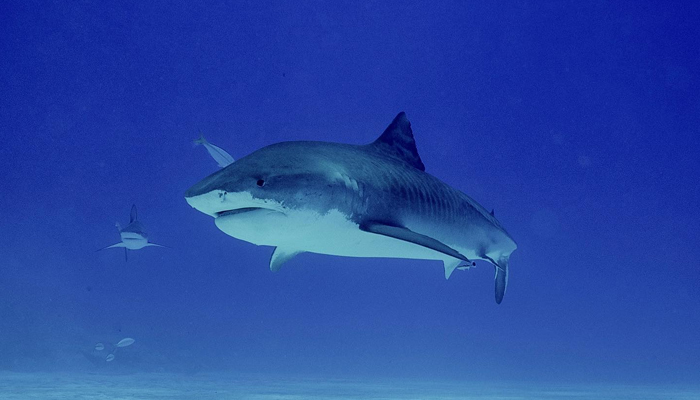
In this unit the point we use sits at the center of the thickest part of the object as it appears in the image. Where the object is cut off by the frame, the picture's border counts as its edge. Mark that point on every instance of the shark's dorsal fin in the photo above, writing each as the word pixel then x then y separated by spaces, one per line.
pixel 133 213
pixel 397 140
pixel 281 256
pixel 405 234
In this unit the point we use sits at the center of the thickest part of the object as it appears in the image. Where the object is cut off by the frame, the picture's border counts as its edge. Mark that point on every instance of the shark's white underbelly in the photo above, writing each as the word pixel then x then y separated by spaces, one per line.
pixel 332 233
pixel 133 241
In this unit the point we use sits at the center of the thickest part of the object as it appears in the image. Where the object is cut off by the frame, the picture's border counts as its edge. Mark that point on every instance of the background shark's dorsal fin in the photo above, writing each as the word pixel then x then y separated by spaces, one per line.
pixel 398 141
pixel 133 213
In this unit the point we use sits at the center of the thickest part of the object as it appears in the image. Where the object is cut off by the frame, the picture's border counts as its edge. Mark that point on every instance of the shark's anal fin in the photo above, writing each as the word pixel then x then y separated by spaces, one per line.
pixel 281 256
pixel 405 234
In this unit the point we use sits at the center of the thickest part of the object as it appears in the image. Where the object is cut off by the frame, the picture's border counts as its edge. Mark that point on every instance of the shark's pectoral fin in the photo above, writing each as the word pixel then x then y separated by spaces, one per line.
pixel 405 234
pixel 281 256
pixel 149 244
pixel 113 246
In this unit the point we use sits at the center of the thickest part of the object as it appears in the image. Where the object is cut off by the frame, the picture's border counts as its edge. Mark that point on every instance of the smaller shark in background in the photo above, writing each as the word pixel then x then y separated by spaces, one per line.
pixel 133 237
pixel 222 158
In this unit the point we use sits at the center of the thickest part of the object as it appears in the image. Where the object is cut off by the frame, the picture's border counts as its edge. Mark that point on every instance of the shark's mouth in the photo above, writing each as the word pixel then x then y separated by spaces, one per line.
pixel 244 210
pixel 238 211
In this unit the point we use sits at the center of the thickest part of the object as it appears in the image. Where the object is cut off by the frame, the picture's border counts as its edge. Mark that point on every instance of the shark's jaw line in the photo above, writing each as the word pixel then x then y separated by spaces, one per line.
pixel 241 210
pixel 219 203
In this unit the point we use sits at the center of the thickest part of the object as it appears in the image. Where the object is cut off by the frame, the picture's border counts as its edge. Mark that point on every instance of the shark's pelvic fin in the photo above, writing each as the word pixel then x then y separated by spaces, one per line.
pixel 397 141
pixel 405 234
pixel 133 216
pixel 281 256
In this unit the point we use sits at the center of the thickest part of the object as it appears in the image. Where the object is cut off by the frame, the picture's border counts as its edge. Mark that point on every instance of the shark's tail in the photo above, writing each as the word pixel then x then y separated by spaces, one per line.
pixel 501 278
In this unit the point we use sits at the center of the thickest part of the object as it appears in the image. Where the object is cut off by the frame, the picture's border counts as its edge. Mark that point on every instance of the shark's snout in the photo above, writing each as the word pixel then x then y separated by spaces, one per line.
pixel 207 195
pixel 210 200
pixel 209 203
pixel 200 188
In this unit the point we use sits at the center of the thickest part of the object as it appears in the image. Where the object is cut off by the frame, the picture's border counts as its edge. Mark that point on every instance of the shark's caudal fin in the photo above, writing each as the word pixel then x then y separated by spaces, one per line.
pixel 501 278
pixel 397 141
pixel 133 217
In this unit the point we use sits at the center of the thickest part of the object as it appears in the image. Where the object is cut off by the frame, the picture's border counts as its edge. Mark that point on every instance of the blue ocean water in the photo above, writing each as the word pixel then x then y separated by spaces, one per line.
pixel 578 122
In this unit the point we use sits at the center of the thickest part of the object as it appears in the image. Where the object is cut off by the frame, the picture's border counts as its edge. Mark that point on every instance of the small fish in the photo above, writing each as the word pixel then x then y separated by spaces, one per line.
pixel 125 342
pixel 222 158
pixel 99 346
pixel 110 357
pixel 133 237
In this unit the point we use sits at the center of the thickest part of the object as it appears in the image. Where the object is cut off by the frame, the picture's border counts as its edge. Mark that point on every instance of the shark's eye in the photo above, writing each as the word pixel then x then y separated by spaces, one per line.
pixel 261 182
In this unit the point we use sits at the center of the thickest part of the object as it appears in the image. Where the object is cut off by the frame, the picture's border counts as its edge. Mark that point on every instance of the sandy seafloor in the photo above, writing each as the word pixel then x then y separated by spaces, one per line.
pixel 233 386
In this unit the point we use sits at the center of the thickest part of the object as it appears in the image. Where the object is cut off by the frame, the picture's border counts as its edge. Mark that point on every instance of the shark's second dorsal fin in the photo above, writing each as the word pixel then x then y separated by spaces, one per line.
pixel 397 140
pixel 133 214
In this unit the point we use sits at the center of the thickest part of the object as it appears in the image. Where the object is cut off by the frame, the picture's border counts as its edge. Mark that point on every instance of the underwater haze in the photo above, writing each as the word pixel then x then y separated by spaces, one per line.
pixel 578 123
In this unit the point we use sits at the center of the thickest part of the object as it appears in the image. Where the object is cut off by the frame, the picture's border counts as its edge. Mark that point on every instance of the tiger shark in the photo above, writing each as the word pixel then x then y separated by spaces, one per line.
pixel 133 237
pixel 373 200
